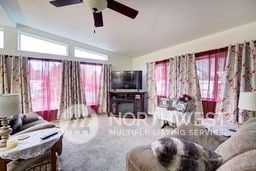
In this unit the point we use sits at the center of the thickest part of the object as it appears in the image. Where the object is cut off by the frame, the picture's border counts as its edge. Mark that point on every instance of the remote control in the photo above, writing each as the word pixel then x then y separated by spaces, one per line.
pixel 233 130
pixel 43 137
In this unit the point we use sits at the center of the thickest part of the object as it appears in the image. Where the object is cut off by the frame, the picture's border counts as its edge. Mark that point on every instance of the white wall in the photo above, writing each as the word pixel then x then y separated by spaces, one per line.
pixel 11 44
pixel 218 40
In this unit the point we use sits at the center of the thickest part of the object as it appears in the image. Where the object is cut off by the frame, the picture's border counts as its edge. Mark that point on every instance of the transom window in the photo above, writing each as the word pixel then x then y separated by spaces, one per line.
pixel 32 43
pixel 1 38
pixel 82 53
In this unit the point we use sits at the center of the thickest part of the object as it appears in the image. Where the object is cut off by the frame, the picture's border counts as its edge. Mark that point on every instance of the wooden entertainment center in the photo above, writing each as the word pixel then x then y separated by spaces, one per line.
pixel 125 102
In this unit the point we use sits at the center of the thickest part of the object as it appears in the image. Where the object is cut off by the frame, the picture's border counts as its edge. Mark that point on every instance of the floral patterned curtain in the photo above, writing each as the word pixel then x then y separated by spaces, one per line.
pixel 72 101
pixel 151 87
pixel 183 79
pixel 239 76
pixel 104 89
pixel 14 79
pixel 4 87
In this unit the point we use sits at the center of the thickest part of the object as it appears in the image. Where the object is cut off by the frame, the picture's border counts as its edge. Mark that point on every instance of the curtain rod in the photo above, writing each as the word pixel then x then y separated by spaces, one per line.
pixel 60 60
pixel 212 50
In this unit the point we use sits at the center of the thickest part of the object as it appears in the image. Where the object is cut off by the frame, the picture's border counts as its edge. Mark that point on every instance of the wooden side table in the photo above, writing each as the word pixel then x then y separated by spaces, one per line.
pixel 32 147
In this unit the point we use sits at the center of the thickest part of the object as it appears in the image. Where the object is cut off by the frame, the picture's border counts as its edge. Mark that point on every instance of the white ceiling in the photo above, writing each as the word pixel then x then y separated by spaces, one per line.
pixel 159 24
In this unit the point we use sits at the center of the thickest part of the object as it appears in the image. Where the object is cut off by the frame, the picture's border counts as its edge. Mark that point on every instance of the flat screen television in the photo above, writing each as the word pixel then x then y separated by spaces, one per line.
pixel 126 80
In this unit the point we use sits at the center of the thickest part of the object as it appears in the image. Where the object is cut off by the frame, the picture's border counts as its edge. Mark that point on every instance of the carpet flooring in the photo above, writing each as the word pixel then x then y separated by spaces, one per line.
pixel 101 143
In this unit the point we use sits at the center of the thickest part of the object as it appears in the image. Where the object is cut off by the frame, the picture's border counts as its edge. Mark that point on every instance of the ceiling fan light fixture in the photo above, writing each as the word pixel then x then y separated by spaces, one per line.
pixel 96 5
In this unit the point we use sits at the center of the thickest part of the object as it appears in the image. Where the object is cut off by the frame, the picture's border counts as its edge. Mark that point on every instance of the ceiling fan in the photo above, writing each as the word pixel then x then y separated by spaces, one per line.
pixel 97 6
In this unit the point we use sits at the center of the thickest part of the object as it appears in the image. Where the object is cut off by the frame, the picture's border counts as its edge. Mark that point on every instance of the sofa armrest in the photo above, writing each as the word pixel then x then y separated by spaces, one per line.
pixel 200 135
pixel 30 117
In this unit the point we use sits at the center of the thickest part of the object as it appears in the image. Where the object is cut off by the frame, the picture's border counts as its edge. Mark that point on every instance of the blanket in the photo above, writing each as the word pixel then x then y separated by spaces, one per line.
pixel 180 155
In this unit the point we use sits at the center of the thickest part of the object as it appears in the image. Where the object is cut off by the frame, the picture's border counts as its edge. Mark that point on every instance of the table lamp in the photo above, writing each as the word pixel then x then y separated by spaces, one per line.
pixel 9 106
pixel 247 101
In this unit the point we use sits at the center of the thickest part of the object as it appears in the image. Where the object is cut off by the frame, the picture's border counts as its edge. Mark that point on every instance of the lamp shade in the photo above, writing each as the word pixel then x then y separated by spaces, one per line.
pixel 9 104
pixel 247 101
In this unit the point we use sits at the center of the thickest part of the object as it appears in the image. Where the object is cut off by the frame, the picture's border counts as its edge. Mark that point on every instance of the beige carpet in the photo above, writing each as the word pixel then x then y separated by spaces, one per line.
pixel 85 149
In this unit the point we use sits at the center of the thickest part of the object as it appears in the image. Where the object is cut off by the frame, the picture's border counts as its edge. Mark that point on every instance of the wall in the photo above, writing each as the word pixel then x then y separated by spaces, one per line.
pixel 11 44
pixel 218 40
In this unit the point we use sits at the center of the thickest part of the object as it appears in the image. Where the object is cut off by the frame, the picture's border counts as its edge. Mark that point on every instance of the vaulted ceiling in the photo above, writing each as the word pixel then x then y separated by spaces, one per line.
pixel 159 24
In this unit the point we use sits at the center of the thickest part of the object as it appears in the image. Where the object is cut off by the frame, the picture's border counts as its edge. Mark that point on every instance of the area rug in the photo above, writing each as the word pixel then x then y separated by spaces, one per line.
pixel 87 148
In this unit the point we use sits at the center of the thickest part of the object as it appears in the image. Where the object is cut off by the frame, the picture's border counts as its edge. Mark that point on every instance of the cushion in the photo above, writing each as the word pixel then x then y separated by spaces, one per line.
pixel 242 162
pixel 175 154
pixel 242 141
pixel 16 122
pixel 181 106
pixel 164 102
pixel 30 117
pixel 173 103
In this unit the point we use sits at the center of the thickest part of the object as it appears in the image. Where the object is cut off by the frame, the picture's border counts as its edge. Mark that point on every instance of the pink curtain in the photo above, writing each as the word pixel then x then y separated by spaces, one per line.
pixel 239 76
pixel 210 66
pixel 162 78
pixel 45 82
pixel 90 79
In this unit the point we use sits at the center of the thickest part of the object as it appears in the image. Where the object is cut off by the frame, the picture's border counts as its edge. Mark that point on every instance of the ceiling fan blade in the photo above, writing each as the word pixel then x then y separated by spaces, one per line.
pixel 98 19
pixel 61 3
pixel 123 9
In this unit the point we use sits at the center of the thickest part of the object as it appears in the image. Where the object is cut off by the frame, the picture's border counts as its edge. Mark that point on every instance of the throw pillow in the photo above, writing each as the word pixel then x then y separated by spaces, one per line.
pixel 181 106
pixel 175 154
pixel 173 104
pixel 15 122
pixel 164 102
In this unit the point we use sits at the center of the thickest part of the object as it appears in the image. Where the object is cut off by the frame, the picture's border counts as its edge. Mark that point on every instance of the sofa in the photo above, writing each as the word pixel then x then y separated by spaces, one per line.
pixel 28 123
pixel 238 152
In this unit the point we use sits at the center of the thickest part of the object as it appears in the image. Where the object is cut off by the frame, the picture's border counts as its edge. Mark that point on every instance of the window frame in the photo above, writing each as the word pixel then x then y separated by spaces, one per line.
pixel 104 57
pixel 43 39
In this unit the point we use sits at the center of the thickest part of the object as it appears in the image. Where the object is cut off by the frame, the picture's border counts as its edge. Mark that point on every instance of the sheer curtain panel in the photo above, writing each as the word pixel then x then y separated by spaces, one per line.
pixel 45 82
pixel 210 68
pixel 90 79
pixel 162 78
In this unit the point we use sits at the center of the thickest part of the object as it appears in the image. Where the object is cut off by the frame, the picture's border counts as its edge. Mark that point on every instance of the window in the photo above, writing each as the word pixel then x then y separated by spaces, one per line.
pixel 162 78
pixel 82 53
pixel 1 38
pixel 45 82
pixel 210 68
pixel 90 77
pixel 34 43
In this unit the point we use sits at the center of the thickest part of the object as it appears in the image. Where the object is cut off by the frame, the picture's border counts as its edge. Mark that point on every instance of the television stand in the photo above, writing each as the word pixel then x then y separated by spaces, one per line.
pixel 126 103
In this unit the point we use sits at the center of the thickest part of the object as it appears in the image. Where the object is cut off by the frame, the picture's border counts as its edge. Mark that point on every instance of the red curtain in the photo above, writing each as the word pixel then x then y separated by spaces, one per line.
pixel 162 78
pixel 45 82
pixel 210 67
pixel 90 77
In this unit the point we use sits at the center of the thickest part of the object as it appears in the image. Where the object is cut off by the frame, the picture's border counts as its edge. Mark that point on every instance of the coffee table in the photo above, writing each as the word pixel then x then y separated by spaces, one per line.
pixel 32 147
